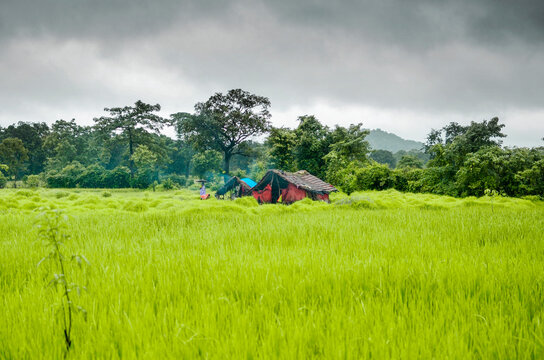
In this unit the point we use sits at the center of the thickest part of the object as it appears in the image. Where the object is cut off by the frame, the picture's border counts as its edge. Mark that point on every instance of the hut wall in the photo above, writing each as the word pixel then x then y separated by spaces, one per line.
pixel 263 196
pixel 292 194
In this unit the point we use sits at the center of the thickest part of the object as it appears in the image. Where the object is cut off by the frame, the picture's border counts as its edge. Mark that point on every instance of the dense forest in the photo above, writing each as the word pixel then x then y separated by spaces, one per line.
pixel 125 148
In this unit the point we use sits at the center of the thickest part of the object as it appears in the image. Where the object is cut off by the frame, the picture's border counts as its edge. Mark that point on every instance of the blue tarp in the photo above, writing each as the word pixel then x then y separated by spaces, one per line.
pixel 248 181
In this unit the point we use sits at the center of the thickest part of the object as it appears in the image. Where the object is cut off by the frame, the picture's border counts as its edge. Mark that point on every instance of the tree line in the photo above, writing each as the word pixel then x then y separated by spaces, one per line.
pixel 125 148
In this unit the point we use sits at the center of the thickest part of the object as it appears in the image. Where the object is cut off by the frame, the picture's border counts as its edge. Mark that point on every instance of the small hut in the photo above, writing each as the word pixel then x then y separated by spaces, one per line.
pixel 238 188
pixel 290 187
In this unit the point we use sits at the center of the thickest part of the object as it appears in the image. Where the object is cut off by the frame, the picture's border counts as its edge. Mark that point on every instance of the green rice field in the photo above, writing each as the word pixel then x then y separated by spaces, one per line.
pixel 374 275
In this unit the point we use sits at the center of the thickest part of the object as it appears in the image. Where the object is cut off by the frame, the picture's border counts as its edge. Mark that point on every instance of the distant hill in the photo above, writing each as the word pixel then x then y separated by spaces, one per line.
pixel 382 140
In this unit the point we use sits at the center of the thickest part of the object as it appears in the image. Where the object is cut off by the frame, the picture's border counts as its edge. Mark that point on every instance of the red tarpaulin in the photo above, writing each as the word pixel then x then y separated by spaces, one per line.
pixel 292 194
pixel 323 197
pixel 264 196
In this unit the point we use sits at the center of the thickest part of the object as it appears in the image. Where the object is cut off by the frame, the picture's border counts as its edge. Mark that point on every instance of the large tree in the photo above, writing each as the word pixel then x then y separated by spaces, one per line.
pixel 132 123
pixel 67 141
pixel 313 141
pixel 282 143
pixel 13 154
pixel 32 135
pixel 225 123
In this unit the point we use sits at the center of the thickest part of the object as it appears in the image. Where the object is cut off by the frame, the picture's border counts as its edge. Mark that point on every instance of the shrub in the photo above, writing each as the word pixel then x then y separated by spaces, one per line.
pixel 178 180
pixel 68 177
pixel 168 184
pixel 3 181
pixel 532 180
pixel 33 181
pixel 434 180
pixel 406 179
pixel 141 180
pixel 117 178
pixel 409 161
pixel 92 177
pixel 480 171
pixel 53 179
pixel 374 177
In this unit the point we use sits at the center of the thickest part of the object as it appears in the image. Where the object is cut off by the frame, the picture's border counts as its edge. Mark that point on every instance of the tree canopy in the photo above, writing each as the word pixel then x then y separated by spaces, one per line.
pixel 132 123
pixel 127 149
pixel 225 122
pixel 13 154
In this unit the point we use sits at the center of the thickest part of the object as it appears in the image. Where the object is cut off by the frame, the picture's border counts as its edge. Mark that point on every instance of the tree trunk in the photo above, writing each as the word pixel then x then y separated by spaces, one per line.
pixel 226 162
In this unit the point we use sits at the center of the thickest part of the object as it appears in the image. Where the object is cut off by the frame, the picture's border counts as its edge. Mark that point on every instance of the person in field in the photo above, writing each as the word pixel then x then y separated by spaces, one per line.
pixel 203 195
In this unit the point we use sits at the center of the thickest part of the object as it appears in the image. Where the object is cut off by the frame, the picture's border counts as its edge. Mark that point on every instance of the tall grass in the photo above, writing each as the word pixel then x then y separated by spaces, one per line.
pixel 378 274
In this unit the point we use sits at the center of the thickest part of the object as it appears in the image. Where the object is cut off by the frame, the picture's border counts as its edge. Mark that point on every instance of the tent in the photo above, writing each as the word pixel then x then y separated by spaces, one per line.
pixel 291 187
pixel 248 181
pixel 238 187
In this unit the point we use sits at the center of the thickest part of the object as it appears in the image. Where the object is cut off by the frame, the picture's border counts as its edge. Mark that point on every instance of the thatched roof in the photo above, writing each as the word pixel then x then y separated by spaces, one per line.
pixel 301 179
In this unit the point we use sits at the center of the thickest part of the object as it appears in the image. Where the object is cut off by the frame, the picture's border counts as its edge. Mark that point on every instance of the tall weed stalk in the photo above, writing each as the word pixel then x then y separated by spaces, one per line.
pixel 52 230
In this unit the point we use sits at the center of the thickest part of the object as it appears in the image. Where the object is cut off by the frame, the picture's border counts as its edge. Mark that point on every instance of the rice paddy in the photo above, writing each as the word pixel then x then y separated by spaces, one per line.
pixel 375 274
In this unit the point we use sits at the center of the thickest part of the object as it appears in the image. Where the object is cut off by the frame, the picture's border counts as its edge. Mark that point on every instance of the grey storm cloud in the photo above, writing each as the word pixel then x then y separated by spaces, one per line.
pixel 407 22
pixel 456 56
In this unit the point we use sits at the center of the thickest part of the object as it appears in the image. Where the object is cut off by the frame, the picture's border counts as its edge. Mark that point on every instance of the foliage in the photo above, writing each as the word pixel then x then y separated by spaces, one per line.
pixel 257 170
pixel 282 143
pixel 180 155
pixel 67 142
pixel 3 180
pixel 32 136
pixel 313 141
pixel 350 144
pixel 117 178
pixel 68 177
pixel 421 156
pixel 460 160
pixel 33 181
pixel 467 160
pixel 146 164
pixel 407 179
pixel 177 180
pixel 373 176
pixel 13 154
pixel 480 171
pixel 206 162
pixel 132 124
pixel 92 177
pixel 532 179
pixel 318 150
pixel 168 184
pixel 409 161
pixel 460 141
pixel 384 157
pixel 224 123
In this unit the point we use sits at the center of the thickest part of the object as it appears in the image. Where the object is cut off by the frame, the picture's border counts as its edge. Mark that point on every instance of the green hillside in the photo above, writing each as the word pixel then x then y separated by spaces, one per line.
pixel 383 140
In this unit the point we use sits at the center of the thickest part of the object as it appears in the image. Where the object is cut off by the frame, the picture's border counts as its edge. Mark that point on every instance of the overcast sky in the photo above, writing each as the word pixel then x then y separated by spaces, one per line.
pixel 402 66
